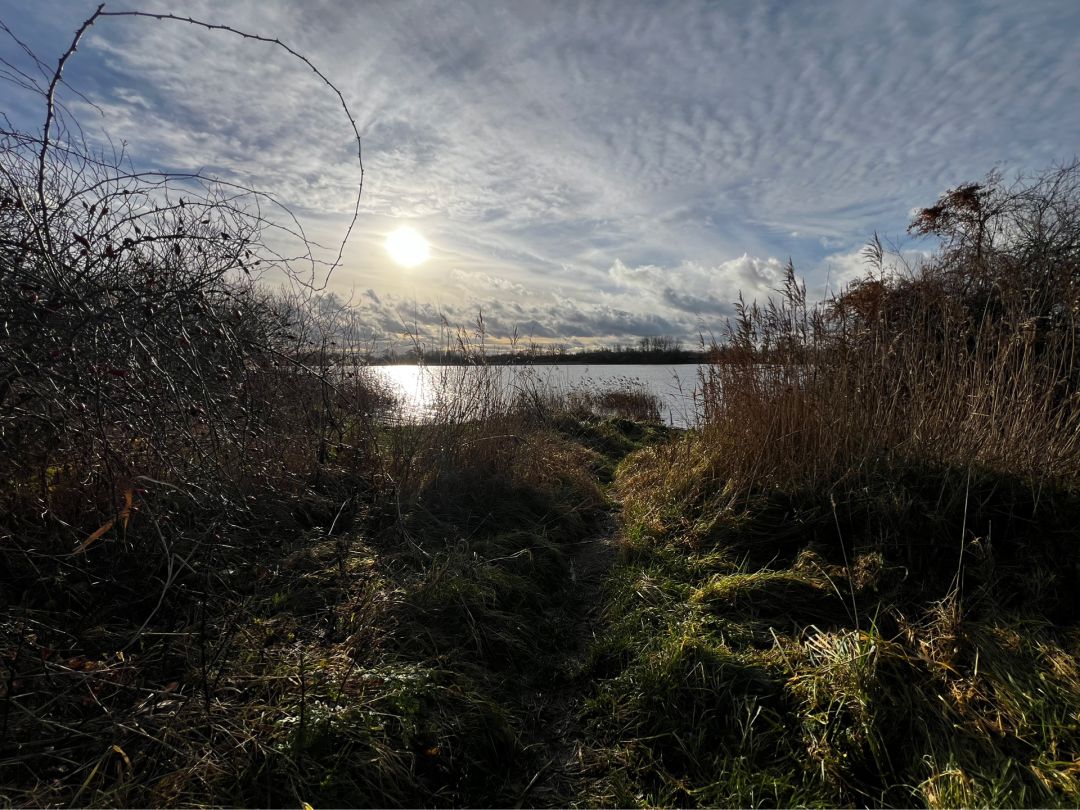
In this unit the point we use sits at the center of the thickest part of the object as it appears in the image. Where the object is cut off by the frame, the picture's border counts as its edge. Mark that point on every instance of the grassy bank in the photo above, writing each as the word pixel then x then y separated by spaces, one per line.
pixel 233 574
pixel 354 645
pixel 880 647
pixel 856 584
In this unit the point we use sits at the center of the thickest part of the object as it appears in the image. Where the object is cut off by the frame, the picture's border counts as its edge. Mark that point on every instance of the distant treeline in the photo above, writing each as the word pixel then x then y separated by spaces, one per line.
pixel 660 350
pixel 614 355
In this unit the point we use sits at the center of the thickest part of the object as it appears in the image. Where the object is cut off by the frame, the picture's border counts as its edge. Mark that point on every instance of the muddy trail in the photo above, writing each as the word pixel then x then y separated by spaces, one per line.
pixel 434 654
pixel 559 742
pixel 556 737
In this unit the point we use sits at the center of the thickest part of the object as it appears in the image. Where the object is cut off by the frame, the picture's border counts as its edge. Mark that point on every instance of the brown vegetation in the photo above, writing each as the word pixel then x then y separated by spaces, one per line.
pixel 856 583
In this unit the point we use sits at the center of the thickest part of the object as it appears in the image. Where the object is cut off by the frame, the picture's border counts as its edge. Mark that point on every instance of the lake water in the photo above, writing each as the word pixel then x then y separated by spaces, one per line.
pixel 427 391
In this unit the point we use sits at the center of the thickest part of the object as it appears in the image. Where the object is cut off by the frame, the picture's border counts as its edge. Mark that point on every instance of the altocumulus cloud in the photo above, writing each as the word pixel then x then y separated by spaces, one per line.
pixel 698 289
pixel 595 170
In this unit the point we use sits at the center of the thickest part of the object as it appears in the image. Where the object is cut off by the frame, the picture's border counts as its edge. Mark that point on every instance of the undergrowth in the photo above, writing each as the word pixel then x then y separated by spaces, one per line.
pixel 230 574
pixel 232 577
pixel 855 584
pixel 351 647
pixel 830 663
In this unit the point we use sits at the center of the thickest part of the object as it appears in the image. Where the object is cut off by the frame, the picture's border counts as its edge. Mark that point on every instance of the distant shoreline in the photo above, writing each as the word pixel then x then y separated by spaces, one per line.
pixel 582 359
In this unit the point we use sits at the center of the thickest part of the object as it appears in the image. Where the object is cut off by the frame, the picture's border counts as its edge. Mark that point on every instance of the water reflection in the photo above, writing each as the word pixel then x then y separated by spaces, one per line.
pixel 468 392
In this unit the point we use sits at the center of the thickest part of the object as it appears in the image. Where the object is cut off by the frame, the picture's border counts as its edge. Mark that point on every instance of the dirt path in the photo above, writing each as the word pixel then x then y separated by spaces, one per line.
pixel 558 730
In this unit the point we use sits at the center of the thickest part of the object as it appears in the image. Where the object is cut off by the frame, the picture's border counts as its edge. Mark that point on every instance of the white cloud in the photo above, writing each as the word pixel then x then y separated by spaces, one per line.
pixel 485 283
pixel 699 289
pixel 613 152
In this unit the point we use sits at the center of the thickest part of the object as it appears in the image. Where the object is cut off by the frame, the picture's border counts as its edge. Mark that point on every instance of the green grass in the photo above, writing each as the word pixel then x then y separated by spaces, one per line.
pixel 385 654
pixel 470 589
pixel 774 648
pixel 755 648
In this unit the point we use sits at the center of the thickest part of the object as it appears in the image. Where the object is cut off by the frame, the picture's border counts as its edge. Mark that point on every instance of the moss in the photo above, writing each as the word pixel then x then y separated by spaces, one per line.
pixel 802 648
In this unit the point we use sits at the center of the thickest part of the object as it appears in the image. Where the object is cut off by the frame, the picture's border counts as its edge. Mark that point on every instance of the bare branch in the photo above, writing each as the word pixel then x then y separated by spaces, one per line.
pixel 297 55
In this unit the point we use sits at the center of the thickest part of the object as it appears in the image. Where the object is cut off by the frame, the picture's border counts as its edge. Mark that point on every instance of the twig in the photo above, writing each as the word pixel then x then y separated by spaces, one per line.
pixel 295 54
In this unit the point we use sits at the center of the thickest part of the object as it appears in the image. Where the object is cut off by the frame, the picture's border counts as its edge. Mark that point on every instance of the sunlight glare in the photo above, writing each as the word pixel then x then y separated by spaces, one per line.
pixel 407 246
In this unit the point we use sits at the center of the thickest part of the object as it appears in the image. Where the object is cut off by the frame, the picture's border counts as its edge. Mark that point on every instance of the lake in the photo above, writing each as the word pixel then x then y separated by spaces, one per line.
pixel 429 390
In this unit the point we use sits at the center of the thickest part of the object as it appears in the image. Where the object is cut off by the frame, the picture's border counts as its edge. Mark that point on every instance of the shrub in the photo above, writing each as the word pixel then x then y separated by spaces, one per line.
pixel 967 358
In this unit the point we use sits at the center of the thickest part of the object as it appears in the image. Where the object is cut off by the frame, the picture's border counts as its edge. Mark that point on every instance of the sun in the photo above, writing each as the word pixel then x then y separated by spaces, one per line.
pixel 407 246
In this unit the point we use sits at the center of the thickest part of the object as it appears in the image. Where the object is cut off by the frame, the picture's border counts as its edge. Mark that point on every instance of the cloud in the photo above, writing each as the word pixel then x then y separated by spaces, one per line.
pixel 700 289
pixel 481 283
pixel 614 155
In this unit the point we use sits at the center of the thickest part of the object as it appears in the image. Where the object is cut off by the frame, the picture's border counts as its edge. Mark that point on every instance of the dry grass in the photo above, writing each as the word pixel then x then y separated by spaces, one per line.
pixel 230 575
pixel 856 584
pixel 366 628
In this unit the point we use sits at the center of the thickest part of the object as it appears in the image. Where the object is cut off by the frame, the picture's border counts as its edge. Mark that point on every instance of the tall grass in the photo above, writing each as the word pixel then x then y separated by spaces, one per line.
pixel 968 358
pixel 229 574
pixel 233 577
pixel 856 583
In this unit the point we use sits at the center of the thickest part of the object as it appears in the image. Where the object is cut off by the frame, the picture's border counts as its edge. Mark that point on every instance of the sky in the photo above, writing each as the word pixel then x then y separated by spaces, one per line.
pixel 584 172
